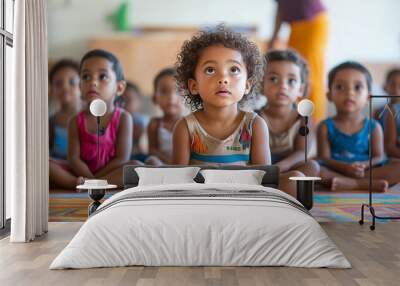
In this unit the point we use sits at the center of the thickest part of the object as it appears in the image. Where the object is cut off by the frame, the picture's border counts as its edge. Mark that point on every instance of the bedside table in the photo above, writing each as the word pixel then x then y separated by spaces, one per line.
pixel 96 193
pixel 305 190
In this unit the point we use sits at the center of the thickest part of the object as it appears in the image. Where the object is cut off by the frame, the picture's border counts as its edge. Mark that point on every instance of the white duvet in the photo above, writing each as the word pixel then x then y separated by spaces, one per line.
pixel 185 230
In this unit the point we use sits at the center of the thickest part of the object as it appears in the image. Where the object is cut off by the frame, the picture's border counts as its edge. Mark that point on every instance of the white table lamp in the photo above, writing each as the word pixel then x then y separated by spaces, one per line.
pixel 96 188
pixel 305 108
pixel 98 108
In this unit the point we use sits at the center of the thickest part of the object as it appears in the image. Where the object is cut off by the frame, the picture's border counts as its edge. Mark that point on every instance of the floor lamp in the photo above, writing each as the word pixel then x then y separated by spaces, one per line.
pixel 96 188
pixel 305 185
pixel 370 202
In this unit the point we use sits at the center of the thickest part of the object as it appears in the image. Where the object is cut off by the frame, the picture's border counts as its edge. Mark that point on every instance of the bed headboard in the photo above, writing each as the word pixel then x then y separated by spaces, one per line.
pixel 270 179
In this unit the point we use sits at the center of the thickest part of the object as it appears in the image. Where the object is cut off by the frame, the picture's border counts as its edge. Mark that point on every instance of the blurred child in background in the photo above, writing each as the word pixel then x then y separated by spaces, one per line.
pixel 132 101
pixel 285 83
pixel 160 129
pixel 392 118
pixel 392 87
pixel 343 144
pixel 64 88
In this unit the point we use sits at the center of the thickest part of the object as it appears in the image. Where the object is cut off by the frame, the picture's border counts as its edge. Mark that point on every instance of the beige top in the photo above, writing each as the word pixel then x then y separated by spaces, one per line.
pixel 208 150
pixel 282 144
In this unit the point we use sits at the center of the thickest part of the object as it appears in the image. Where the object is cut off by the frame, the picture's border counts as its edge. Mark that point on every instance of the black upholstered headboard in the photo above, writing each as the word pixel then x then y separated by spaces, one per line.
pixel 270 179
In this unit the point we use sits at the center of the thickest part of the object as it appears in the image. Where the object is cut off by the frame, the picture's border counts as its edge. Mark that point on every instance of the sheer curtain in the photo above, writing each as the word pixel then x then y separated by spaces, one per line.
pixel 27 124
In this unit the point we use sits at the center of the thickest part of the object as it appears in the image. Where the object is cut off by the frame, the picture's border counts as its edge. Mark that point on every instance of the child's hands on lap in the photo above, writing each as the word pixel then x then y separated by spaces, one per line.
pixel 356 170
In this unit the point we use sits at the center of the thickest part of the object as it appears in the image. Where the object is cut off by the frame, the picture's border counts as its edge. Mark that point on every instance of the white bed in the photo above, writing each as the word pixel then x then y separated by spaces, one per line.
pixel 201 224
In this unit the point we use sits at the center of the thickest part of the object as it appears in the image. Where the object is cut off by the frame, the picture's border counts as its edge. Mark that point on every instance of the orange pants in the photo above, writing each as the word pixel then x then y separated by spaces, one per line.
pixel 309 38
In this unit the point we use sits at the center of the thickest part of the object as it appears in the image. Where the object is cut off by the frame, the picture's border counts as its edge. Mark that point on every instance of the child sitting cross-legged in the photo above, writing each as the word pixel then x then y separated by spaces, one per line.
pixel 343 139
pixel 285 83
pixel 102 78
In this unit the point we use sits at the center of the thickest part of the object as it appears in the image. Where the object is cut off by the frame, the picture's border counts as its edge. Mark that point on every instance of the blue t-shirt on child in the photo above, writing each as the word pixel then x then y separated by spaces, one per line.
pixel 349 148
pixel 60 143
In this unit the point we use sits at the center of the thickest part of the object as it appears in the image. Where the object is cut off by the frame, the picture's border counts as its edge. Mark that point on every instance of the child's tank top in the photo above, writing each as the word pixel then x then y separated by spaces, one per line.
pixel 164 138
pixel 107 142
pixel 282 144
pixel 59 149
pixel 395 109
pixel 349 147
pixel 234 150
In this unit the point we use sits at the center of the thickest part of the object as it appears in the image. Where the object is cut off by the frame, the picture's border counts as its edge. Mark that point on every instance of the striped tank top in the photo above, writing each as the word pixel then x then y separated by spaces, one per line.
pixel 208 150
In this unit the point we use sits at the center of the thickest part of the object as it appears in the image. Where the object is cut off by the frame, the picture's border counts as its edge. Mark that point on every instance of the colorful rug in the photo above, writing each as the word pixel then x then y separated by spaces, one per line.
pixel 70 205
pixel 328 206
pixel 346 207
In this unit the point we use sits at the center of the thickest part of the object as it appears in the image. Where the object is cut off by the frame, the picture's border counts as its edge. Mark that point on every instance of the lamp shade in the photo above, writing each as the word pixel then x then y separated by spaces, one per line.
pixel 98 107
pixel 305 107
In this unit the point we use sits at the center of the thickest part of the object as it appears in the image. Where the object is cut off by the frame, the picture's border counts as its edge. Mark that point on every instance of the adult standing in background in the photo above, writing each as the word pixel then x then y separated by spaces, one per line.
pixel 308 35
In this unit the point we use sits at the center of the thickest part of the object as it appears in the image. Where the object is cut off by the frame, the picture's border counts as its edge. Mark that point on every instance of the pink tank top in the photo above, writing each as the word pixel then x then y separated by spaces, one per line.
pixel 107 142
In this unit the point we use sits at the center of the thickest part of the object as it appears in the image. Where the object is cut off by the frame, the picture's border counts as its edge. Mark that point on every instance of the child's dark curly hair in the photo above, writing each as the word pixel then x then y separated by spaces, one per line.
pixel 191 50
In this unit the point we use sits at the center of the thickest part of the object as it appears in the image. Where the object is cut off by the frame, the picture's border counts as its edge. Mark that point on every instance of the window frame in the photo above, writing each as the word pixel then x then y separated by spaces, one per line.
pixel 6 39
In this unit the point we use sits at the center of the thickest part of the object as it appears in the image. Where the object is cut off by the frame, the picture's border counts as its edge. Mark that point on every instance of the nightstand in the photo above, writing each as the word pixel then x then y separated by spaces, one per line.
pixel 96 192
pixel 305 190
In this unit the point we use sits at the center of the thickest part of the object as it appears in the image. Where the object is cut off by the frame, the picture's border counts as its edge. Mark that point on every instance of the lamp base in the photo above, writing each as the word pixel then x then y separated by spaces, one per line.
pixel 305 193
pixel 96 195
pixel 305 190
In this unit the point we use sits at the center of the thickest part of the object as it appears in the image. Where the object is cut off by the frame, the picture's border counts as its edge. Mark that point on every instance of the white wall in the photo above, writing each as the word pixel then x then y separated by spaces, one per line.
pixel 367 30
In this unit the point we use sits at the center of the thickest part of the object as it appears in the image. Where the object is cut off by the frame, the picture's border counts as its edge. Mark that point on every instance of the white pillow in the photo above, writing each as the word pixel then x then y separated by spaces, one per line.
pixel 248 177
pixel 164 176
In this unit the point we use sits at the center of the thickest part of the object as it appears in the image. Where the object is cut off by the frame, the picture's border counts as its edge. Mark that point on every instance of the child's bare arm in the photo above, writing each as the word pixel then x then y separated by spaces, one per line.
pixel 152 132
pixel 391 137
pixel 181 144
pixel 138 132
pixel 260 153
pixel 377 114
pixel 124 145
pixel 78 166
pixel 378 153
pixel 297 156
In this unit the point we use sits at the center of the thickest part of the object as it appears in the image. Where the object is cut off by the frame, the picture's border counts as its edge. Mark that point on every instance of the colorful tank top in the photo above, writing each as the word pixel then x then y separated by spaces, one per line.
pixel 107 142
pixel 234 150
pixel 349 148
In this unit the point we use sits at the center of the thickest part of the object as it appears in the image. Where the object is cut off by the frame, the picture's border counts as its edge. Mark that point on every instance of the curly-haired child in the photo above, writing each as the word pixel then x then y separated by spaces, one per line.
pixel 218 70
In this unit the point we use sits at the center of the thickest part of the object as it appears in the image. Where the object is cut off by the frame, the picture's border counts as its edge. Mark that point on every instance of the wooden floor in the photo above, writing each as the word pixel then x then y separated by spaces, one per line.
pixel 374 255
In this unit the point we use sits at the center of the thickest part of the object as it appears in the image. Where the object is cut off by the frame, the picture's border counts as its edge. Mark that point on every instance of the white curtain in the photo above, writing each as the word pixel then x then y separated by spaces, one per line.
pixel 27 124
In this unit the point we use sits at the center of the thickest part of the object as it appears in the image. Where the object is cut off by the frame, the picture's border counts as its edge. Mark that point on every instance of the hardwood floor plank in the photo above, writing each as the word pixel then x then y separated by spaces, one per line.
pixel 375 257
